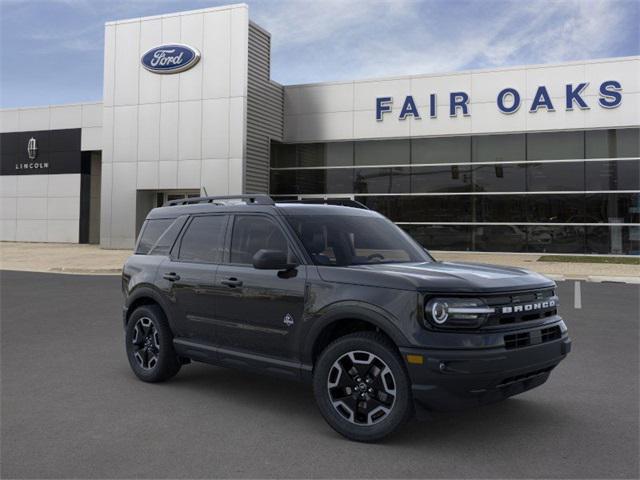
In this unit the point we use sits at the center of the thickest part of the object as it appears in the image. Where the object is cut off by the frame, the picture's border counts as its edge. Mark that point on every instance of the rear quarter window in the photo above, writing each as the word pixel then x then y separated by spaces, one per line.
pixel 158 235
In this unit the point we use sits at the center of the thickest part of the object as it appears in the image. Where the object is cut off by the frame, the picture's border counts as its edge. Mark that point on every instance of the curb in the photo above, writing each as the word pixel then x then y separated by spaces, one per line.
pixel 595 279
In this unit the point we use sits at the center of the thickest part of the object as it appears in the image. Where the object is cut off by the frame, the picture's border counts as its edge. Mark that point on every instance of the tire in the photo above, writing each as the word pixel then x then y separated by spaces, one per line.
pixel 380 383
pixel 149 344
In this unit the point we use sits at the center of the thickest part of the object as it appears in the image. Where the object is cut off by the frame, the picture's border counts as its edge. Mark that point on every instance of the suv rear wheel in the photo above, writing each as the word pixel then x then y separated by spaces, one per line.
pixel 361 387
pixel 149 343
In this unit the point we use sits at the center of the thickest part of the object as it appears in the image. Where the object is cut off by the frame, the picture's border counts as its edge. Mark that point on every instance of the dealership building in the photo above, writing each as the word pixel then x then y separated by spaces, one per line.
pixel 541 158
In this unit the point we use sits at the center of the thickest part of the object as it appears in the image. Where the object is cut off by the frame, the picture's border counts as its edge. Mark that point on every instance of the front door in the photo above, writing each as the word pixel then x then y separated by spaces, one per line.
pixel 257 310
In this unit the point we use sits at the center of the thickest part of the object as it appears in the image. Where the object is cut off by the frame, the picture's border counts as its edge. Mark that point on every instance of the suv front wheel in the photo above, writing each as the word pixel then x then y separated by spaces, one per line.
pixel 149 343
pixel 361 387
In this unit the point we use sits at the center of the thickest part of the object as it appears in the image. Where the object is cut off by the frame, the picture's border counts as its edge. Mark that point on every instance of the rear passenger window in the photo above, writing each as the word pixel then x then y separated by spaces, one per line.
pixel 204 239
pixel 151 232
pixel 253 233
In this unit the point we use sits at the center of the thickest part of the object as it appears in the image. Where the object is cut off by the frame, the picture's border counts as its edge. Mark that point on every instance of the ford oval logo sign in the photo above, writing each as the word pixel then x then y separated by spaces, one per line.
pixel 173 58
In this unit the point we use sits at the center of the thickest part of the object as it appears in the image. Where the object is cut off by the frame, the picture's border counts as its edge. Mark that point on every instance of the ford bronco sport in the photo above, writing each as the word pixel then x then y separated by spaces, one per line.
pixel 337 296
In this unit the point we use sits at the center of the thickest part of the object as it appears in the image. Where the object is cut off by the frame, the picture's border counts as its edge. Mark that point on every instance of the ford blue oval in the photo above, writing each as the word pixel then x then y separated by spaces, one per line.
pixel 172 58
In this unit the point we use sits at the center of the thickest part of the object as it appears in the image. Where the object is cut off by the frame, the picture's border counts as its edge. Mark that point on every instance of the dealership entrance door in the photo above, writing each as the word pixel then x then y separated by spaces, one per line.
pixel 148 199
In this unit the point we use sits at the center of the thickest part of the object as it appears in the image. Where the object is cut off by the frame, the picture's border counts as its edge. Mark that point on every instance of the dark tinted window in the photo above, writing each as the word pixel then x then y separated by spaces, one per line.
pixel 555 145
pixel 499 178
pixel 613 207
pixel 561 176
pixel 204 239
pixel 382 152
pixel 163 245
pixel 556 238
pixel 151 233
pixel 500 238
pixel 441 237
pixel 567 208
pixel 382 180
pixel 441 150
pixel 283 155
pixel 615 240
pixel 252 233
pixel 613 143
pixel 438 179
pixel 613 175
pixel 499 148
pixel 499 208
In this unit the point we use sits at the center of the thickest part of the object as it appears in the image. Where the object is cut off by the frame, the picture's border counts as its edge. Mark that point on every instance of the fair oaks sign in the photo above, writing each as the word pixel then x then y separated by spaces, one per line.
pixel 173 58
pixel 508 100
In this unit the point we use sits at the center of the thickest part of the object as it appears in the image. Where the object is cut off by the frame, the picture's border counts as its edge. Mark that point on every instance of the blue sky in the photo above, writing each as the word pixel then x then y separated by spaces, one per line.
pixel 51 51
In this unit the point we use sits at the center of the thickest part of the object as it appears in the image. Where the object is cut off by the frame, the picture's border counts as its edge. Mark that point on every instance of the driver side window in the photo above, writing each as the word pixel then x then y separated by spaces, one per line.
pixel 252 233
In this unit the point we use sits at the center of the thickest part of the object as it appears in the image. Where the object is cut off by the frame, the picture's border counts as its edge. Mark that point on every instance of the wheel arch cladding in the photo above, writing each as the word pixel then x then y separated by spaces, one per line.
pixel 349 321
pixel 144 298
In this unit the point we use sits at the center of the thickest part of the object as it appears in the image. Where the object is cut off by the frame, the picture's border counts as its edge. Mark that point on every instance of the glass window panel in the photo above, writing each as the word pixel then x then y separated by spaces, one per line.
pixel 441 237
pixel 564 176
pixel 382 152
pixel 441 150
pixel 339 154
pixel 151 233
pixel 556 239
pixel 310 154
pixel 499 208
pixel 613 208
pixel 445 178
pixel 568 208
pixel 422 208
pixel 204 239
pixel 382 180
pixel 613 175
pixel 311 181
pixel 499 148
pixel 339 180
pixel 613 240
pixel 555 145
pixel 283 155
pixel 500 238
pixel 624 142
pixel 499 178
pixel 283 182
pixel 252 233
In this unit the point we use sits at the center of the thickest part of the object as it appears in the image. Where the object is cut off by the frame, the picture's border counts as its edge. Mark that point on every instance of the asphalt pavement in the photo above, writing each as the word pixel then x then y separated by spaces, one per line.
pixel 71 408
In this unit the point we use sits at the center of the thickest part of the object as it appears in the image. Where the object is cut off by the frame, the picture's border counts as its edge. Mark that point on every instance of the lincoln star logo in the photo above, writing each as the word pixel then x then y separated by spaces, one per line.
pixel 32 149
pixel 529 307
pixel 172 58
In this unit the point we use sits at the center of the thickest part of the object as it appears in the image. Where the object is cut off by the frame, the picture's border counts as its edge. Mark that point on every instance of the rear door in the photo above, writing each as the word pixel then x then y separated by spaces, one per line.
pixel 188 276
pixel 258 310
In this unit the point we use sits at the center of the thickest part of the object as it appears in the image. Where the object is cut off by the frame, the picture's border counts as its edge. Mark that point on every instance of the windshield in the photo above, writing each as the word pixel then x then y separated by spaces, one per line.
pixel 343 240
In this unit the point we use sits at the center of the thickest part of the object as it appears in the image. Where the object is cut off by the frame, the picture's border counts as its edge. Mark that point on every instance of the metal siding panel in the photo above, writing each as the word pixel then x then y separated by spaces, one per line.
pixel 265 119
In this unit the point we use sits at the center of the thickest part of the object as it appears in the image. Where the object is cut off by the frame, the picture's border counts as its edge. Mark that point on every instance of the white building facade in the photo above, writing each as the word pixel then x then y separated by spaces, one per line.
pixel 538 158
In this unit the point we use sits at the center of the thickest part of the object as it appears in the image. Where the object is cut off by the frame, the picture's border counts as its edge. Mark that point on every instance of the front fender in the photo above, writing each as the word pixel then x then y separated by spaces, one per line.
pixel 355 310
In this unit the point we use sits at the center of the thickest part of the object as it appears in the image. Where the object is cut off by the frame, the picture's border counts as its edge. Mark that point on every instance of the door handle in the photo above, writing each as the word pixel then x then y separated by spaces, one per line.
pixel 171 276
pixel 232 282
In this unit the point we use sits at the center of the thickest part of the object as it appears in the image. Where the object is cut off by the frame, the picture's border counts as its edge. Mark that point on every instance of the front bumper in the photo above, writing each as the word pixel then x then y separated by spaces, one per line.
pixel 460 378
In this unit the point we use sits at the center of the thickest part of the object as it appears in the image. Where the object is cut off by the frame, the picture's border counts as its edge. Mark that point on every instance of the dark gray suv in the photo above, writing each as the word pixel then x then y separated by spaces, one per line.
pixel 337 296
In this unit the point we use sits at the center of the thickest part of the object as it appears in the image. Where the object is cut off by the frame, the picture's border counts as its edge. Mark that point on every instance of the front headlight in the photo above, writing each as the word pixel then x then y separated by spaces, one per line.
pixel 457 312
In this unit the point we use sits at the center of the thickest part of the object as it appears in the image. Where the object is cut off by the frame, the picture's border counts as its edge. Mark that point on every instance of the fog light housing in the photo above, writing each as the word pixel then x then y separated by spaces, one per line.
pixel 457 312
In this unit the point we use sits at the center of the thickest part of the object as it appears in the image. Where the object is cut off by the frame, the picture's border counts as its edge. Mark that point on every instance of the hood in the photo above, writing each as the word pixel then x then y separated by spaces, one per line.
pixel 449 277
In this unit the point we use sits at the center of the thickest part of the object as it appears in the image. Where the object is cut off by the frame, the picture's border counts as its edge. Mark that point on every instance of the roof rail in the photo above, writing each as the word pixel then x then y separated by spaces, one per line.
pixel 344 202
pixel 259 199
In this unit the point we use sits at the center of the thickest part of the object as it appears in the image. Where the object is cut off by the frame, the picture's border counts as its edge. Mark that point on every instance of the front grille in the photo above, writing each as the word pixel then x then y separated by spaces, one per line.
pixel 535 337
pixel 518 307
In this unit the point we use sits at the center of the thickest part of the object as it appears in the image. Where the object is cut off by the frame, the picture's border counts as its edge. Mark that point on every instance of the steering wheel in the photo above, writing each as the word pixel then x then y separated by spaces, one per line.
pixel 375 255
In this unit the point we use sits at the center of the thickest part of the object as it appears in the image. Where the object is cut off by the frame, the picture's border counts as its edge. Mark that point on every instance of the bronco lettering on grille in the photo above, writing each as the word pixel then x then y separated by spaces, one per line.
pixel 529 307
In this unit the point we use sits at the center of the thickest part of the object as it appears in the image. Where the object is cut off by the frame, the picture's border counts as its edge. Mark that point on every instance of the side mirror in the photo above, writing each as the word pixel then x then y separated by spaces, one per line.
pixel 272 260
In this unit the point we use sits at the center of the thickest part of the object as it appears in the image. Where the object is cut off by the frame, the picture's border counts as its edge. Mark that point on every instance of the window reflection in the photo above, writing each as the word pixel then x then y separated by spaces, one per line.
pixel 447 178
pixel 382 180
